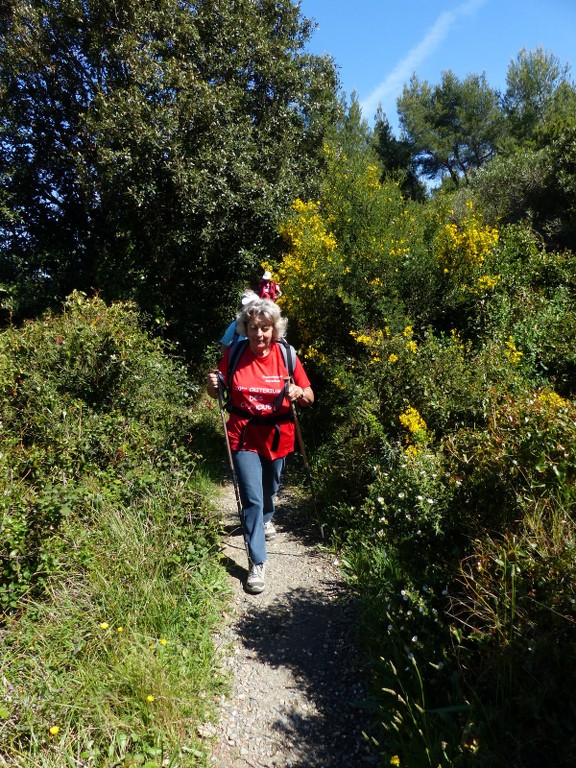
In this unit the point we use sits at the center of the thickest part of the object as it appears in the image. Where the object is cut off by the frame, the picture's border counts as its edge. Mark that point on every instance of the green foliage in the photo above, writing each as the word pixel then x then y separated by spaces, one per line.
pixel 523 452
pixel 409 506
pixel 441 348
pixel 149 149
pixel 533 304
pixel 116 664
pixel 512 608
pixel 534 184
pixel 419 715
pixel 454 127
pixel 85 393
pixel 532 81
pixel 505 187
pixel 110 584
pixel 354 253
pixel 395 156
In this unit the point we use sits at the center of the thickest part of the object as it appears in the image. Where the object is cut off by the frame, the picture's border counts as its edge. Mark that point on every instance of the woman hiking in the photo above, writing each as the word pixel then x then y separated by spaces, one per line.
pixel 260 428
pixel 268 288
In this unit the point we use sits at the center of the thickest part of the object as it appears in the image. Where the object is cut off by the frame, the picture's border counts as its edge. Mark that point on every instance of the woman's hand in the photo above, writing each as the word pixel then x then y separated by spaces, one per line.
pixel 298 395
pixel 212 384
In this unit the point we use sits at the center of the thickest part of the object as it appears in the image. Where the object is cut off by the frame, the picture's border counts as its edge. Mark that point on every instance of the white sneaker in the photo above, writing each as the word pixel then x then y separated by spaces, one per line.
pixel 269 530
pixel 255 580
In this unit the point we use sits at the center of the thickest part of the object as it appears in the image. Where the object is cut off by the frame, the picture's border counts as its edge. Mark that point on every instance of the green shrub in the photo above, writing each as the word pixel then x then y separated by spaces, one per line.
pixel 109 547
pixel 534 303
pixel 442 355
pixel 409 505
pixel 524 451
pixel 83 393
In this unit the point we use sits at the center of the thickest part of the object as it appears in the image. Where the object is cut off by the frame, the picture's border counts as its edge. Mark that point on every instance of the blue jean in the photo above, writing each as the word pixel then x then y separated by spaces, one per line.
pixel 258 481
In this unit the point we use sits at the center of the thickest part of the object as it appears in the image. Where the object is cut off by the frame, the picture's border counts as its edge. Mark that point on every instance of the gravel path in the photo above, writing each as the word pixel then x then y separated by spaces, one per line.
pixel 297 694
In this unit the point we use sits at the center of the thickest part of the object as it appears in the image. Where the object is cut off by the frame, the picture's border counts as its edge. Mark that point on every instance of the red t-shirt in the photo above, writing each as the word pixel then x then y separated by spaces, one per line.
pixel 256 384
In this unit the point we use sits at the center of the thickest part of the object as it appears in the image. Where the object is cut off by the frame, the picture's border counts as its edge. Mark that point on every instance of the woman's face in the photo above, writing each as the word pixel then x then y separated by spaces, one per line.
pixel 260 333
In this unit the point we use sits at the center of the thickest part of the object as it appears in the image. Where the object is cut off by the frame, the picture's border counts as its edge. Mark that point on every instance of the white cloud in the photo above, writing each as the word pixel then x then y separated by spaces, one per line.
pixel 439 31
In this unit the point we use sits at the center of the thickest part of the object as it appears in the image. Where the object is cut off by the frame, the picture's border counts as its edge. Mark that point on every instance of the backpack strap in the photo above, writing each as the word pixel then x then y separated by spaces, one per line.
pixel 289 355
pixel 236 351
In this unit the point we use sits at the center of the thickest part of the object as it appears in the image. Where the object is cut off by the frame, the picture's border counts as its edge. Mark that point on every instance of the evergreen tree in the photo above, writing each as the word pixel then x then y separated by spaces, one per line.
pixel 532 80
pixel 147 147
pixel 396 158
pixel 533 177
pixel 453 128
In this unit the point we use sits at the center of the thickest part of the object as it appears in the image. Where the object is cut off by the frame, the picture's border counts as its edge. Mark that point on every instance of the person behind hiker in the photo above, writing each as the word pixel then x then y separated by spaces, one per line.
pixel 230 334
pixel 267 288
pixel 260 426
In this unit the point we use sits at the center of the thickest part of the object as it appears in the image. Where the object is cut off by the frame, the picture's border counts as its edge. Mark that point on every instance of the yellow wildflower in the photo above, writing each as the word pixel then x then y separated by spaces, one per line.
pixel 552 399
pixel 411 346
pixel 513 354
pixel 412 420
pixel 104 625
pixel 373 177
pixel 312 353
pixel 465 245
pixel 150 698
pixel 488 282
pixel 362 338
pixel 456 338
pixel 54 730
pixel 416 428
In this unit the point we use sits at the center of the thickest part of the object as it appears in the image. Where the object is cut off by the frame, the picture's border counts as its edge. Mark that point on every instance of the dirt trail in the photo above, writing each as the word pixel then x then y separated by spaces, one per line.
pixel 297 695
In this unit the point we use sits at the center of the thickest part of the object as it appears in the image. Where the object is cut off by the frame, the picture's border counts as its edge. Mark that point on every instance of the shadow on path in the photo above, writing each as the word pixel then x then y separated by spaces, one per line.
pixel 301 702
pixel 308 631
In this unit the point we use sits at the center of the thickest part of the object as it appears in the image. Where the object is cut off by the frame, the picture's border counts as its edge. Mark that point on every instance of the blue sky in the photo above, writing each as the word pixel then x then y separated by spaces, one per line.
pixel 378 44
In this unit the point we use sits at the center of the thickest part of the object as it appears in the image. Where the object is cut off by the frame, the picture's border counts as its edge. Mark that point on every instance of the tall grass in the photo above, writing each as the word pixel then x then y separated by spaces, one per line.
pixel 116 661
pixel 110 578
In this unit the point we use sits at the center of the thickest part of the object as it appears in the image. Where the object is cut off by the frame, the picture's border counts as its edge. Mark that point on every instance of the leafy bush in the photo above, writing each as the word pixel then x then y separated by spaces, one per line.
pixel 109 547
pixel 86 392
pixel 523 452
pixel 442 354
pixel 535 185
pixel 348 257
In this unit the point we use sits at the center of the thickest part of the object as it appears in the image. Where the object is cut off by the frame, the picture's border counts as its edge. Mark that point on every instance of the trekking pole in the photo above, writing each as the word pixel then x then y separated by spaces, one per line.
pixel 231 463
pixel 302 448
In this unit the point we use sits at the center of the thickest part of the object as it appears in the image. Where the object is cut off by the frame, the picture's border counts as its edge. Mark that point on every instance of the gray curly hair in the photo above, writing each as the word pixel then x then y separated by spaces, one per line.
pixel 262 308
